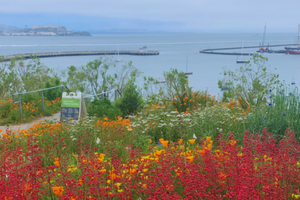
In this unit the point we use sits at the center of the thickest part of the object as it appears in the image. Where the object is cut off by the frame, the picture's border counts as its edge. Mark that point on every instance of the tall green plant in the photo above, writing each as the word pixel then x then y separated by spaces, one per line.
pixel 250 82
pixel 131 100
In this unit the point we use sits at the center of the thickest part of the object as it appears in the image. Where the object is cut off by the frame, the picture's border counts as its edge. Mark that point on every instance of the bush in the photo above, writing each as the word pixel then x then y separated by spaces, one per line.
pixel 103 108
pixel 131 100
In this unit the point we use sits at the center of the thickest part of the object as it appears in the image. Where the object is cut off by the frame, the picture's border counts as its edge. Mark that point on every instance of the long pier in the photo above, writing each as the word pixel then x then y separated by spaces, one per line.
pixel 212 51
pixel 79 53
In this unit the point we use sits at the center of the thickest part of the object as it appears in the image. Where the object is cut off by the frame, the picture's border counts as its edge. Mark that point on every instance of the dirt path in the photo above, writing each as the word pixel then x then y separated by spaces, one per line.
pixel 56 116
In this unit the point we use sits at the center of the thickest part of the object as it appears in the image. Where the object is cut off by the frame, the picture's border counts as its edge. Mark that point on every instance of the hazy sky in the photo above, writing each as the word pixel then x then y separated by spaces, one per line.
pixel 155 15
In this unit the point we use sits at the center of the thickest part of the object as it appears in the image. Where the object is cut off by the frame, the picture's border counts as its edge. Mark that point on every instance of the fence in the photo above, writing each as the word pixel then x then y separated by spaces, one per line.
pixel 42 94
pixel 103 94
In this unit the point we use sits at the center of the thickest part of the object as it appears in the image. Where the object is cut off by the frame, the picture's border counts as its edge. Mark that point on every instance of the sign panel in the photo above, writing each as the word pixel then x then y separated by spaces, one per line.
pixel 70 105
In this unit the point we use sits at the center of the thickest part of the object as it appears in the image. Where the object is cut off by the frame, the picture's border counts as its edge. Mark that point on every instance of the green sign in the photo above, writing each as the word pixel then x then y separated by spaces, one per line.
pixel 70 103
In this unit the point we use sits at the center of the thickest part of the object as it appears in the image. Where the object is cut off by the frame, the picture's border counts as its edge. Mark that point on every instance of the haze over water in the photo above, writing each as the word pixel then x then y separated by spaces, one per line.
pixel 173 47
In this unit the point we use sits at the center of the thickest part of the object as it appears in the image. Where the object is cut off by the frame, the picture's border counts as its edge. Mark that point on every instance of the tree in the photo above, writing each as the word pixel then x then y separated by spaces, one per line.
pixel 131 99
pixel 97 77
pixel 250 82
pixel 21 75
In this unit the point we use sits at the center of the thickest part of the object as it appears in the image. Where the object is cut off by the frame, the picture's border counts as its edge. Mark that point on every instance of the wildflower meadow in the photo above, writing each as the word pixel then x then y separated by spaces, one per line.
pixel 181 144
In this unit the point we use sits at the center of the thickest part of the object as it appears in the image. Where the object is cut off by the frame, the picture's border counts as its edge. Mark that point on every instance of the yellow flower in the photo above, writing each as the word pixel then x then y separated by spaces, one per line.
pixel 192 141
pixel 72 168
pixel 178 171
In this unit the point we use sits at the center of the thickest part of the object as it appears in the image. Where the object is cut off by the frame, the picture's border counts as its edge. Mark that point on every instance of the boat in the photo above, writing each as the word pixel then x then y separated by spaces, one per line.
pixel 187 73
pixel 242 60
pixel 118 59
pixel 294 49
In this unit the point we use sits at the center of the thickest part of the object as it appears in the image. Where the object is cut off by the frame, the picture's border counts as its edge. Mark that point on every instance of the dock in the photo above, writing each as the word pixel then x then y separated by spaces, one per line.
pixel 213 51
pixel 80 53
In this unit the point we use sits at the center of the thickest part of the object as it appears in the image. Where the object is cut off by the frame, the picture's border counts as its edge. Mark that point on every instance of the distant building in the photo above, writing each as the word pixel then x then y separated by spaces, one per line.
pixel 38 27
pixel 144 49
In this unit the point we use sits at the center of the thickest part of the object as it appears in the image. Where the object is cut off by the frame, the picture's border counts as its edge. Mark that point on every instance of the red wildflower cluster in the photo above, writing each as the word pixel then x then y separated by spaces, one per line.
pixel 261 169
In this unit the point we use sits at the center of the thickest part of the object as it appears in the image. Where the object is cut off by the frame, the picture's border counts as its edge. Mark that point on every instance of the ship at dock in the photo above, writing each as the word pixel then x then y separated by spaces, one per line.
pixel 294 49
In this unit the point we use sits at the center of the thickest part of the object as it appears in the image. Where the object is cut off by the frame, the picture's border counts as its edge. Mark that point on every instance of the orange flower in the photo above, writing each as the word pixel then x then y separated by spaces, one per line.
pixel 150 141
pixel 243 112
pixel 234 117
pixel 190 158
pixel 232 142
pixel 178 171
pixel 79 182
pixel 57 162
pixel 208 139
pixel 165 143
pixel 192 141
pixel 160 140
pixel 180 141
pixel 105 118
pixel 158 153
pixel 58 190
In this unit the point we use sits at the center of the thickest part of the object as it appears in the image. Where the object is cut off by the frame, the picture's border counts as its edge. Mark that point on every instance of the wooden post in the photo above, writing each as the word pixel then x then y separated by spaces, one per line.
pixel 20 106
pixel 43 104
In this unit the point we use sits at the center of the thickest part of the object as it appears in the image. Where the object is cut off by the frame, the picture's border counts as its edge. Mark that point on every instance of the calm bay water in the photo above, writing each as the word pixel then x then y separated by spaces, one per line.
pixel 174 50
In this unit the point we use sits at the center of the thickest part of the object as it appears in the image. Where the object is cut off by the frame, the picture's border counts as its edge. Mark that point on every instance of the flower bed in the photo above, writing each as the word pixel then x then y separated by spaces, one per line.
pixel 99 160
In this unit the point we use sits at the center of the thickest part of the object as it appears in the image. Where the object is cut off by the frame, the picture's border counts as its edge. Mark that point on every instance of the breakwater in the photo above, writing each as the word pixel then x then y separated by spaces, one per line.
pixel 79 53
pixel 213 51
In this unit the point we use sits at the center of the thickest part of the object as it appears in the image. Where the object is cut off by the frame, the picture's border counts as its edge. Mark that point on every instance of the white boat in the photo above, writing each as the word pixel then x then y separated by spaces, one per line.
pixel 242 60
pixel 118 59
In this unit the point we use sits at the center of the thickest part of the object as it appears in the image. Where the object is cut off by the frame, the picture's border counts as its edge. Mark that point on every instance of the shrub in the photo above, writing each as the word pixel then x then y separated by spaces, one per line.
pixel 103 108
pixel 131 100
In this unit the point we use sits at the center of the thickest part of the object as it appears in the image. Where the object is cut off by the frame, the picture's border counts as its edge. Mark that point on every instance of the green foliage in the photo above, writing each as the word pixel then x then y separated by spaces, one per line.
pixel 31 109
pixel 54 93
pixel 21 75
pixel 179 93
pixel 131 100
pixel 103 108
pixel 251 81
pixel 279 113
pixel 99 76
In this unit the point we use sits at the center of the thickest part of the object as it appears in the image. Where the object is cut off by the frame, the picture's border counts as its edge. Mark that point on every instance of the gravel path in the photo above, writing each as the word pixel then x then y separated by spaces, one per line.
pixel 26 126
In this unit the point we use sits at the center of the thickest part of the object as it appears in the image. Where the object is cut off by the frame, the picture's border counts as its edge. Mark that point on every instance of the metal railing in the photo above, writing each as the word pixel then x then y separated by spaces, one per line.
pixel 42 94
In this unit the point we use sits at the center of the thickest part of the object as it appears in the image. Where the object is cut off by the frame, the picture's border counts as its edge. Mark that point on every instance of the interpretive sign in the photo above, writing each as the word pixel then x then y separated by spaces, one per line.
pixel 71 105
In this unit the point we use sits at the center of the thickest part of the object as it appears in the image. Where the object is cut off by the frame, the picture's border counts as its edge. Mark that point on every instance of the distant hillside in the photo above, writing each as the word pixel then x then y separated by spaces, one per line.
pixel 6 28
pixel 40 31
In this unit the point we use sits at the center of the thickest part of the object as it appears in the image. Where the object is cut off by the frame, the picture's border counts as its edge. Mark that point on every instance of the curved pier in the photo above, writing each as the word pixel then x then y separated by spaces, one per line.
pixel 212 51
pixel 80 53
